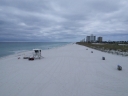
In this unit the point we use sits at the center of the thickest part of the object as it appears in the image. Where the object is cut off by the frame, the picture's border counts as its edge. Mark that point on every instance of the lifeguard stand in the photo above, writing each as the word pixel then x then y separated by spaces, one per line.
pixel 37 53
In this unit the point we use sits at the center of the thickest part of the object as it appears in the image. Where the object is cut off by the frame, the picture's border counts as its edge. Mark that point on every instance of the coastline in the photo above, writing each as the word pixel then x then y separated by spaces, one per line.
pixel 12 48
pixel 64 71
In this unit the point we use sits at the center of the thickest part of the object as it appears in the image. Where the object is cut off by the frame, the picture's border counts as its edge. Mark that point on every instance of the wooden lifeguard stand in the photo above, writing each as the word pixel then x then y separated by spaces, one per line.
pixel 37 53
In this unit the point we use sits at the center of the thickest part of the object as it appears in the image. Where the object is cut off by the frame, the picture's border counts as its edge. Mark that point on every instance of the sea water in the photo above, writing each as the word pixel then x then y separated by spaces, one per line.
pixel 9 48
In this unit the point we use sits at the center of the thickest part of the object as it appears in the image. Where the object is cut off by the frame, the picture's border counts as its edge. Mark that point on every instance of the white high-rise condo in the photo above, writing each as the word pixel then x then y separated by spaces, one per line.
pixel 91 38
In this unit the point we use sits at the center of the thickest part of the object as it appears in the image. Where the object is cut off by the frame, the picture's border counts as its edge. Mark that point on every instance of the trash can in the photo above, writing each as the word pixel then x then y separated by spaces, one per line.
pixel 119 67
pixel 103 58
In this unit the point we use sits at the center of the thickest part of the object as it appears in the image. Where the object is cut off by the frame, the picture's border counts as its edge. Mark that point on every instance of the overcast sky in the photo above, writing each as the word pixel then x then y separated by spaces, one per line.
pixel 63 20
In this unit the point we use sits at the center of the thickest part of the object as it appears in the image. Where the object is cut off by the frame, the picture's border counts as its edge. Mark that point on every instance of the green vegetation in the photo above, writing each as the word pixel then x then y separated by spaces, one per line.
pixel 105 46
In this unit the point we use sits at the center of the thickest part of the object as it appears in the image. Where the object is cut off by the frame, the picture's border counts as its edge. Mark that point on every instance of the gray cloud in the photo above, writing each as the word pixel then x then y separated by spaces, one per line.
pixel 62 20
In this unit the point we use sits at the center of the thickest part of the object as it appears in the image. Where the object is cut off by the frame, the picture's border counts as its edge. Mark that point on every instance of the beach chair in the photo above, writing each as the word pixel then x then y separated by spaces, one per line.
pixel 37 53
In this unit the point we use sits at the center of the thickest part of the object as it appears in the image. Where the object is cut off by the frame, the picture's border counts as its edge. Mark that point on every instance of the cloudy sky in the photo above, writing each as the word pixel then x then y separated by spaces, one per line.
pixel 63 20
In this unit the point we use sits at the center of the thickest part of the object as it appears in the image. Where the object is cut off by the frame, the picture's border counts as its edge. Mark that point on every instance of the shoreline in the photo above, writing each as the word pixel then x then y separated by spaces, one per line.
pixel 30 52
pixel 24 51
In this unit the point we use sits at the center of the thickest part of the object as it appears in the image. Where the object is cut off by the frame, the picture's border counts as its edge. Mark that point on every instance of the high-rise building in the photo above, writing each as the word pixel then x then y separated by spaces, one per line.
pixel 99 39
pixel 91 38
pixel 88 39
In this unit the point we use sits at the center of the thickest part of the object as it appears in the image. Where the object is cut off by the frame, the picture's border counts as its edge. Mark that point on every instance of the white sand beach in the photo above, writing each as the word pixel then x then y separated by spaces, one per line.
pixel 70 70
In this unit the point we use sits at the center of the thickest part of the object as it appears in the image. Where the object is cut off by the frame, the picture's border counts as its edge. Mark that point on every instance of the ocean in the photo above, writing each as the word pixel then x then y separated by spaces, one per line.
pixel 10 48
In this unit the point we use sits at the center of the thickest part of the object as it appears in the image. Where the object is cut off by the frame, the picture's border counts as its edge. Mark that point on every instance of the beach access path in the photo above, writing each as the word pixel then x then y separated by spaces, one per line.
pixel 70 70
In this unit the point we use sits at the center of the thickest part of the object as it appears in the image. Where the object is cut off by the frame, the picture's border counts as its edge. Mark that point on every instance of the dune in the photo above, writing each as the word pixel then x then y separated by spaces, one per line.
pixel 70 70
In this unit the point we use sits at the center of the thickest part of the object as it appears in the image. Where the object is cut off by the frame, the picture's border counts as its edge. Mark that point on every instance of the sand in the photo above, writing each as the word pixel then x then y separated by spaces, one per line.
pixel 70 70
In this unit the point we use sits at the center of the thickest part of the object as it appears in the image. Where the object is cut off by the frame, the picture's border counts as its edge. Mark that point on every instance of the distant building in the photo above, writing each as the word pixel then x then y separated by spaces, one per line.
pixel 88 39
pixel 100 39
pixel 91 38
